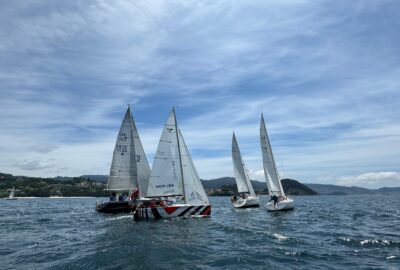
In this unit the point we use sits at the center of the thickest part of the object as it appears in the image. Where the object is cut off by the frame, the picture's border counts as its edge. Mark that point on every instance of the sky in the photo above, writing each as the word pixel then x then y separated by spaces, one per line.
pixel 325 74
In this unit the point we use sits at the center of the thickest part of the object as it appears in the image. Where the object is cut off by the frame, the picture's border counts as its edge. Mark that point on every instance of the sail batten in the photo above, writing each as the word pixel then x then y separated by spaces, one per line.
pixel 270 169
pixel 242 178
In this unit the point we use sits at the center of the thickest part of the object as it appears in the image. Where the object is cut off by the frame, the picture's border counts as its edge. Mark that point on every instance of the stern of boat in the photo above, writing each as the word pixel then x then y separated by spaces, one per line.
pixel 246 203
pixel 285 205
pixel 173 211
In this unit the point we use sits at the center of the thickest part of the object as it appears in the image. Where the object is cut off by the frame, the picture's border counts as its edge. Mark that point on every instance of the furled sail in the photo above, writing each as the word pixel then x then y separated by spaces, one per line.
pixel 194 190
pixel 270 170
pixel 129 167
pixel 166 175
pixel 242 178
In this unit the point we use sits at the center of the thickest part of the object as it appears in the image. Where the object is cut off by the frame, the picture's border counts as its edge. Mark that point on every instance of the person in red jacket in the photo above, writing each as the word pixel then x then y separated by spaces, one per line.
pixel 135 194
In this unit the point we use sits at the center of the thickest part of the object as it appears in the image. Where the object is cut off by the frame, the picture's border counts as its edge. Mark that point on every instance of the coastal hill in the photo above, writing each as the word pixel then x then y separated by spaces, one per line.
pixel 342 190
pixel 94 185
pixel 226 186
pixel 46 187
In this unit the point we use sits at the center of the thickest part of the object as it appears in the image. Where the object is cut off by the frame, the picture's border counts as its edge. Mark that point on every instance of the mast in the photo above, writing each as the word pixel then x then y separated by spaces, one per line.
pixel 179 154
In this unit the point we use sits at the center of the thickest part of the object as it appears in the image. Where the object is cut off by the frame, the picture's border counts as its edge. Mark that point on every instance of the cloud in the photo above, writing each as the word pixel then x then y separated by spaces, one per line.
pixel 33 165
pixel 328 90
pixel 372 180
pixel 44 148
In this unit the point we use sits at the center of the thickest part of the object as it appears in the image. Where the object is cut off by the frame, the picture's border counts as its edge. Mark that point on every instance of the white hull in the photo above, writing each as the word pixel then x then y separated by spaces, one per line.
pixel 248 202
pixel 172 211
pixel 285 205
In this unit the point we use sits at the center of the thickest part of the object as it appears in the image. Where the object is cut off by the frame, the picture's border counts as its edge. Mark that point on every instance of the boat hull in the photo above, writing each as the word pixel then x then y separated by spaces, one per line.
pixel 285 205
pixel 11 199
pixel 116 207
pixel 173 211
pixel 246 203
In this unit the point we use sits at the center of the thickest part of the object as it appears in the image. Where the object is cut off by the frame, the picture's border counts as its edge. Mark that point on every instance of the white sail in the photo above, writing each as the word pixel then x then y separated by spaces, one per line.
pixel 242 178
pixel 123 172
pixel 11 195
pixel 166 175
pixel 270 170
pixel 194 190
pixel 142 165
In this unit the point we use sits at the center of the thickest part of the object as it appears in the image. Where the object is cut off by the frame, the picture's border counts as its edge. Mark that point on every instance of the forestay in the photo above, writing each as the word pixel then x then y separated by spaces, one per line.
pixel 194 190
pixel 270 170
pixel 123 172
pixel 242 178
pixel 166 174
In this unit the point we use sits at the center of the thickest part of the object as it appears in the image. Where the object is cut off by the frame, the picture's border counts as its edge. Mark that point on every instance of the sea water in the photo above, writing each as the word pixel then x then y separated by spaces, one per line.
pixel 323 232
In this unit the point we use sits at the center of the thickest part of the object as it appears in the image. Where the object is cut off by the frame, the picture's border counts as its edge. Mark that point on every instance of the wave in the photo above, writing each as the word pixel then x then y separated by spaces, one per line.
pixel 120 217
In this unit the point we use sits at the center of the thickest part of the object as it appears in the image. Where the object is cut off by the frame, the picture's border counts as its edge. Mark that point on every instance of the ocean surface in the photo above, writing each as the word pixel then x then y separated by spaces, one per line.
pixel 323 232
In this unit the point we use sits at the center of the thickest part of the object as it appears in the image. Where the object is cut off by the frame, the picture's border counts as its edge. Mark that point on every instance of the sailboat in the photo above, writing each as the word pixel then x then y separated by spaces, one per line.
pixel 129 171
pixel 271 174
pixel 175 189
pixel 246 196
pixel 11 195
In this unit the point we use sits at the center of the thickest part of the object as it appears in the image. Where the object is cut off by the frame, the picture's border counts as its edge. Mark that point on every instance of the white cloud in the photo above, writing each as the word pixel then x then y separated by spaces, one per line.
pixel 32 165
pixel 371 180
pixel 328 90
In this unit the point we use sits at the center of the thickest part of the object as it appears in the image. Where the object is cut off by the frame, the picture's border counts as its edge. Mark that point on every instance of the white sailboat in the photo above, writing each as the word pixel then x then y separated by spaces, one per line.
pixel 175 189
pixel 246 197
pixel 130 169
pixel 271 174
pixel 11 195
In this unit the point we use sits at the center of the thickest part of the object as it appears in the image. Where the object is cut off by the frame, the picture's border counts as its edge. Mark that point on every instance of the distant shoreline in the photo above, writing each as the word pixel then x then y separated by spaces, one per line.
pixel 93 186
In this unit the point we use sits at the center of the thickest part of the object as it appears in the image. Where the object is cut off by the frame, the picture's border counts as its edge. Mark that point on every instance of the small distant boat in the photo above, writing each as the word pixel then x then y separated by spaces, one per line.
pixel 271 174
pixel 11 195
pixel 129 171
pixel 175 189
pixel 246 196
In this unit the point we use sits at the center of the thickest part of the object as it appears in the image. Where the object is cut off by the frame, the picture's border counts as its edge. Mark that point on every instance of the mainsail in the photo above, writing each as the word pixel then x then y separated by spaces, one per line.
pixel 11 195
pixel 270 170
pixel 129 167
pixel 166 174
pixel 242 178
pixel 194 190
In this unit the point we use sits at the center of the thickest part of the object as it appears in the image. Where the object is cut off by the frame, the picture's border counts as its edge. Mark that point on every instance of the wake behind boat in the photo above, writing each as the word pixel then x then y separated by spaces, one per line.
pixel 246 197
pixel 129 171
pixel 175 189
pixel 279 201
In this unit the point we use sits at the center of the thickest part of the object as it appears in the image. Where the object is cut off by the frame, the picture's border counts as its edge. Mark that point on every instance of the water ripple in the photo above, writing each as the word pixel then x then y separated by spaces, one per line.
pixel 323 232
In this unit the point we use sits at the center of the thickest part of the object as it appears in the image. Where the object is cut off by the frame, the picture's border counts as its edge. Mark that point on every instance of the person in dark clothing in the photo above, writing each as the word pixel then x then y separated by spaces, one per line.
pixel 113 197
pixel 275 199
